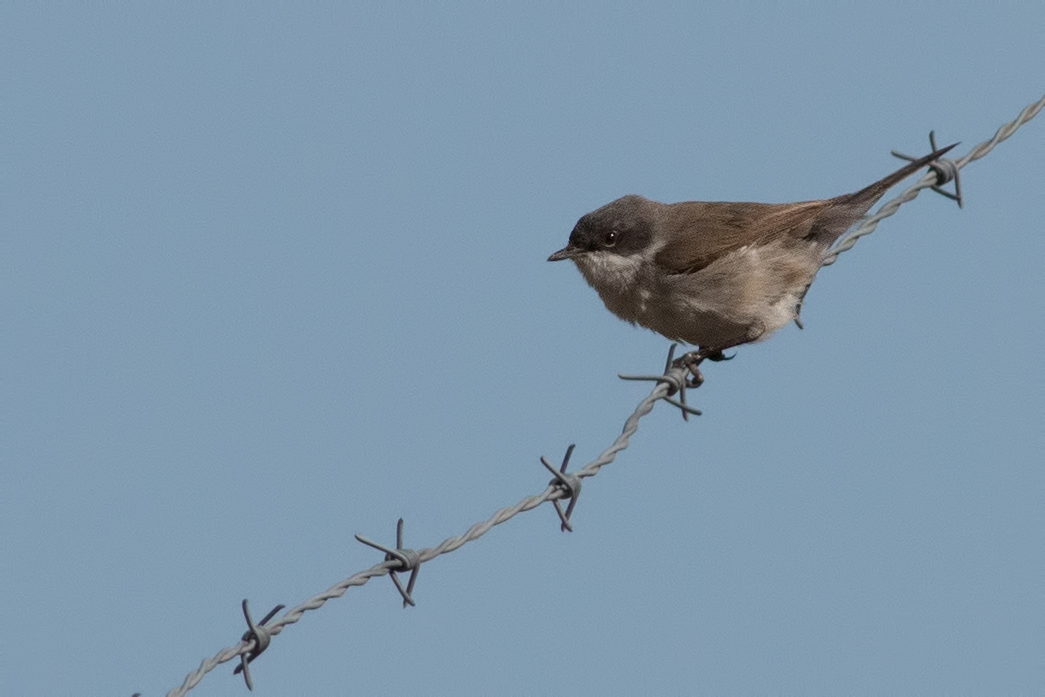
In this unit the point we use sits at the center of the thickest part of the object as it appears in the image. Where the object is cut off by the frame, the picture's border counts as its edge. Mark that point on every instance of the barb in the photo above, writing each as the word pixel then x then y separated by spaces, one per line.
pixel 930 180
pixel 566 486
pixel 259 636
pixel 945 169
pixel 570 484
pixel 676 382
pixel 407 559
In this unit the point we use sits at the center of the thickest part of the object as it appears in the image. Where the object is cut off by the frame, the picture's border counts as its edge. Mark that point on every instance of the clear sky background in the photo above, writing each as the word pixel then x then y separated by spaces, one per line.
pixel 275 275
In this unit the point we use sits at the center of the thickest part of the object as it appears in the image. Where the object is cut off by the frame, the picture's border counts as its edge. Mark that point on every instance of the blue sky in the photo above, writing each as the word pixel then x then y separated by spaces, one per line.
pixel 276 275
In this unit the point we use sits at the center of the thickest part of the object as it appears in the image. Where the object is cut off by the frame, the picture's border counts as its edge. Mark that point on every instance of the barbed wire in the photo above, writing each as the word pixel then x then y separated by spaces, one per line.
pixel 565 485
pixel 258 636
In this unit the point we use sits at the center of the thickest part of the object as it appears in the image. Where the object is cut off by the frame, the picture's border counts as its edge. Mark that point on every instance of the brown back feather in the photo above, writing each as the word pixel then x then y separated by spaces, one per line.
pixel 701 232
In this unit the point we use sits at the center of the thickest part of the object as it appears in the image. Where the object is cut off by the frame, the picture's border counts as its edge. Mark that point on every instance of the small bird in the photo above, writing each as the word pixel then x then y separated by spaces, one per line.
pixel 715 275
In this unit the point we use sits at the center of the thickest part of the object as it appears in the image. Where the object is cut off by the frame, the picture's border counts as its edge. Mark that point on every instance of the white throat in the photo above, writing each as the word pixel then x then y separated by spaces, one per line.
pixel 604 270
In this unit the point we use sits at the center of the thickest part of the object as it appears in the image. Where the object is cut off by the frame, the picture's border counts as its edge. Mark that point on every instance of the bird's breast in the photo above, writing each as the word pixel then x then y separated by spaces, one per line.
pixel 742 296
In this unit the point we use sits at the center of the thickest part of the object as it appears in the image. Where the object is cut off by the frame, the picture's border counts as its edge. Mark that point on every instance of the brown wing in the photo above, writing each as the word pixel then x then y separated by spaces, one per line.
pixel 701 232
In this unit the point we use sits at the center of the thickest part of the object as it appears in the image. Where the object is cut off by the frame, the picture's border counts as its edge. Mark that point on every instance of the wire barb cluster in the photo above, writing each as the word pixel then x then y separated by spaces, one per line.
pixel 569 485
pixel 256 635
pixel 676 382
pixel 673 381
pixel 945 169
pixel 405 560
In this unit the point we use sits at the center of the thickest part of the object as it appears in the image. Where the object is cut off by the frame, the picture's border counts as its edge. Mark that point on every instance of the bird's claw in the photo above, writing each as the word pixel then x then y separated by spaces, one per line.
pixel 691 361
pixel 717 356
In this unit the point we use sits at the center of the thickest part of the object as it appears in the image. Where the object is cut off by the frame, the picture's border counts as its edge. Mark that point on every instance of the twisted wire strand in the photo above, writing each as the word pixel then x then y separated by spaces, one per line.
pixel 675 375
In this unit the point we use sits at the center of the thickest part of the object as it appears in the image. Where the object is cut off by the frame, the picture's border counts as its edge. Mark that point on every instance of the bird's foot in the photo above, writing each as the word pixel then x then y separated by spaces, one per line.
pixel 693 359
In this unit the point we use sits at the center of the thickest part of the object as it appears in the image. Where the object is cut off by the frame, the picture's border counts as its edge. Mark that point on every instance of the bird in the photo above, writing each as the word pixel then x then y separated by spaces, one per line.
pixel 715 275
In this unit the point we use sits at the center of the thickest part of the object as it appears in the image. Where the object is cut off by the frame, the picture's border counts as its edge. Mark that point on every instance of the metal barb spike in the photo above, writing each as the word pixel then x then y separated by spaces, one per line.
pixel 675 383
pixel 406 560
pixel 569 484
pixel 260 635
pixel 945 170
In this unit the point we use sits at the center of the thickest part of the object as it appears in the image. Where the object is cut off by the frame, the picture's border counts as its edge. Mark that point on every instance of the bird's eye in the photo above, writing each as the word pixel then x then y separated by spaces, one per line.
pixel 610 238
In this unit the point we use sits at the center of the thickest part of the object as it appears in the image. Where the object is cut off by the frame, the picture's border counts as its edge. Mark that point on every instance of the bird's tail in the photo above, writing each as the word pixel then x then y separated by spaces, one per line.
pixel 869 195
pixel 845 210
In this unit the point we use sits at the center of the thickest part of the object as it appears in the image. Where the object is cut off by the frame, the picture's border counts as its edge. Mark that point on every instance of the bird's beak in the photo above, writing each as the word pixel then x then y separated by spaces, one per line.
pixel 566 252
